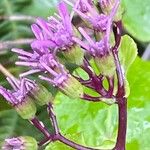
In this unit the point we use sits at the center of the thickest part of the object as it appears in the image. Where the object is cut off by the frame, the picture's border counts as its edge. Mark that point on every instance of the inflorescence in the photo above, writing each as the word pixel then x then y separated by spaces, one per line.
pixel 59 42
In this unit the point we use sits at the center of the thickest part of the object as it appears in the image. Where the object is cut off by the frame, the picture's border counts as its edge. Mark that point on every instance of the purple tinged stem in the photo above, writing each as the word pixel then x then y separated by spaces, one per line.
pixel 91 98
pixel 122 101
pixel 40 126
pixel 60 137
pixel 53 118
pixel 72 144
pixel 111 85
pixel 122 127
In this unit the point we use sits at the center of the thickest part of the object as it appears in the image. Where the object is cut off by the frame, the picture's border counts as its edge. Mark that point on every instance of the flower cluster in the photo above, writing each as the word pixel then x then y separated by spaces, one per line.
pixel 59 43
pixel 19 97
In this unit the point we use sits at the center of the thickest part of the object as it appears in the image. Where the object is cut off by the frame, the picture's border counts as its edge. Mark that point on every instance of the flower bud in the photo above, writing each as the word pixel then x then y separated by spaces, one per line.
pixel 26 109
pixel 42 95
pixel 72 87
pixel 106 65
pixel 20 143
pixel 74 55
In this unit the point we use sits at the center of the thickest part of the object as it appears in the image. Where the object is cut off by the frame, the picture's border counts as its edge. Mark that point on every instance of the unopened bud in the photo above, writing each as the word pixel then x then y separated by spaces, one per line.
pixel 20 143
pixel 42 95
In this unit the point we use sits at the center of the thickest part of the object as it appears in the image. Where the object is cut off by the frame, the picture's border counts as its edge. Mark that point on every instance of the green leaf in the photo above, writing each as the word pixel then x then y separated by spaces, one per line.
pixel 127 52
pixel 136 19
pixel 90 124
pixel 95 124
pixel 7 124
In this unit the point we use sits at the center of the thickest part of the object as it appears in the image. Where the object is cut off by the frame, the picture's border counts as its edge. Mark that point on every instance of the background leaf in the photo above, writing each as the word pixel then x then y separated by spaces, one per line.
pixel 136 19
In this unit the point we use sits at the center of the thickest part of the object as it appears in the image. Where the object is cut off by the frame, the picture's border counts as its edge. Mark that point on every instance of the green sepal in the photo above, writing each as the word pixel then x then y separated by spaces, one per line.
pixel 26 109
pixel 72 87
pixel 106 64
pixel 74 55
pixel 41 95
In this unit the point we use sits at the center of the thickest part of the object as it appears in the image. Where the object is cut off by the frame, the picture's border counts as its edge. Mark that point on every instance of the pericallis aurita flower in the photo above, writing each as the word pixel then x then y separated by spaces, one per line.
pixel 57 33
pixel 20 143
pixel 55 73
pixel 19 97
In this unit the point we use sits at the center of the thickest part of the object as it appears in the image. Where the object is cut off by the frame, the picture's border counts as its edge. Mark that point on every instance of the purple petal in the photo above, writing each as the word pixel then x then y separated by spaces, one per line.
pixel 44 25
pixel 43 44
pixel 63 12
pixel 6 94
pixel 37 32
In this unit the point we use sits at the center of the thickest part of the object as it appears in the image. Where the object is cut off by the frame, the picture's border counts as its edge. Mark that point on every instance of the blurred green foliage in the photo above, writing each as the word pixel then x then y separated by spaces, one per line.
pixel 136 19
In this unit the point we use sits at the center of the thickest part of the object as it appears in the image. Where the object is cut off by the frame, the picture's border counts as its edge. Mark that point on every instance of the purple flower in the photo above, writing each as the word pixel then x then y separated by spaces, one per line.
pixel 99 22
pixel 20 90
pixel 13 144
pixel 56 33
pixel 20 143
pixel 54 73
pixel 43 63
pixel 19 96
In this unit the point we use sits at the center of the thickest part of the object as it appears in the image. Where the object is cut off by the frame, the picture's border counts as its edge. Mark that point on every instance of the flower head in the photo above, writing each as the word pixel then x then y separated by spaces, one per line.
pixel 56 32
pixel 98 21
pixel 54 72
pixel 19 97
pixel 20 143
pixel 13 143
pixel 20 90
